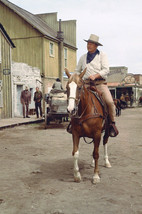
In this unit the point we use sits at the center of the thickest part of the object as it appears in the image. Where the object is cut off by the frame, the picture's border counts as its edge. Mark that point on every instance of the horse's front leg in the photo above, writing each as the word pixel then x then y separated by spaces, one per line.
pixel 77 176
pixel 96 178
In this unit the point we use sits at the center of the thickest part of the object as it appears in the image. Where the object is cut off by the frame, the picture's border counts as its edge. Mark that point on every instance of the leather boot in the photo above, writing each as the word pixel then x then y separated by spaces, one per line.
pixel 113 131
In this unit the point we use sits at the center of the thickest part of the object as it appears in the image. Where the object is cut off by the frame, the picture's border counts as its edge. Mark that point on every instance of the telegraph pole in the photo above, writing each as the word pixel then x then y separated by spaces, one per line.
pixel 60 36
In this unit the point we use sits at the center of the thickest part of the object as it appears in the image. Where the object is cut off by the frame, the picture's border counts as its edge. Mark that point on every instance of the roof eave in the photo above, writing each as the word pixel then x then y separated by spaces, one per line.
pixel 6 36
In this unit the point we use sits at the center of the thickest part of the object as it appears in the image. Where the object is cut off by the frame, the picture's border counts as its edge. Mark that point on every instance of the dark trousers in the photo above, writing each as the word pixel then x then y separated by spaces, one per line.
pixel 25 107
pixel 38 105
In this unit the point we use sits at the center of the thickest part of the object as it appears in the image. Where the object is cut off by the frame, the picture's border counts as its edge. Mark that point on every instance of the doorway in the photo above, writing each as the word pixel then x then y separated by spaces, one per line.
pixel 19 111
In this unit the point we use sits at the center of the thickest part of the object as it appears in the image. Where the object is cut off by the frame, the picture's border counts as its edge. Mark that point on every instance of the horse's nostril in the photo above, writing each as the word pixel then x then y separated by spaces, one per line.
pixel 73 112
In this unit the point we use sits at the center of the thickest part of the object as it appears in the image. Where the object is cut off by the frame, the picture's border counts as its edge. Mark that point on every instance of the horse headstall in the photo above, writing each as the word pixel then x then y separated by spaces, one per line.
pixel 79 91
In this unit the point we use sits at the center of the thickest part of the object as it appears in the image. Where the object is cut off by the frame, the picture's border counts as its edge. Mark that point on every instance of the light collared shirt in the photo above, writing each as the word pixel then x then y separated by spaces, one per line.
pixel 57 86
pixel 99 65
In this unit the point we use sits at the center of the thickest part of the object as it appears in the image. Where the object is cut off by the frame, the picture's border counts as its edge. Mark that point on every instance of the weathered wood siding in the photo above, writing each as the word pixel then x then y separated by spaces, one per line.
pixel 28 51
pixel 71 60
pixel 28 40
pixel 51 62
pixel 6 109
pixel 32 47
pixel 68 27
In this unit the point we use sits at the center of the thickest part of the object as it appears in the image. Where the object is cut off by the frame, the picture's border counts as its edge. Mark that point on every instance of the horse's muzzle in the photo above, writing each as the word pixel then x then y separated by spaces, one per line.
pixel 72 113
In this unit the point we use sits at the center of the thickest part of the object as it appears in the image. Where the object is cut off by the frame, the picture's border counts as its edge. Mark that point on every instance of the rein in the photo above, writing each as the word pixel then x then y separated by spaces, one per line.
pixel 89 116
pixel 82 118
pixel 87 142
pixel 72 98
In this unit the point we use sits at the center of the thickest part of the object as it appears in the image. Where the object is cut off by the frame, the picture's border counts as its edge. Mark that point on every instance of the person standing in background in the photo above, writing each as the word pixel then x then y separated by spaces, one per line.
pixel 25 100
pixel 37 99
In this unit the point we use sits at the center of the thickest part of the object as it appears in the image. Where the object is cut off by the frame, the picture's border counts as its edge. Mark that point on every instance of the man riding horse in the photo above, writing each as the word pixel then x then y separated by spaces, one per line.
pixel 97 69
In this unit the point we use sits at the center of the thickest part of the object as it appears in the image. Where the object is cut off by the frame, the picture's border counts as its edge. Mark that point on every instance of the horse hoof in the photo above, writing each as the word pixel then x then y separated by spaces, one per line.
pixel 96 180
pixel 77 178
pixel 107 165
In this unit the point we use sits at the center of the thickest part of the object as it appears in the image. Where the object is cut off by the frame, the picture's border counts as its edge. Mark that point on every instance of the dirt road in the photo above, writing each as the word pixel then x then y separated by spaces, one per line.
pixel 37 171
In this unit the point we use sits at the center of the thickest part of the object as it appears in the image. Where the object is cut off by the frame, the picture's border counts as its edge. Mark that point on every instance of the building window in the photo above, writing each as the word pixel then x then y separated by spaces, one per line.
pixel 51 49
pixel 65 57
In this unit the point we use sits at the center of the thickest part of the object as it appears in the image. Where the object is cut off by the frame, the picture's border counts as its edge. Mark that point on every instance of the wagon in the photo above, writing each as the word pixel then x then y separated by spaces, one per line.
pixel 56 109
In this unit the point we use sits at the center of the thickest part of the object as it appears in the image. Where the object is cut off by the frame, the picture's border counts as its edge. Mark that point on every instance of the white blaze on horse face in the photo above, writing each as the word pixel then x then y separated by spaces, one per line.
pixel 71 104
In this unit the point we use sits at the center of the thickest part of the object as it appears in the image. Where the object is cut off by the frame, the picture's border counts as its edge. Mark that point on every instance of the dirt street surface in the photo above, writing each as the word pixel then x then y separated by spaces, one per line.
pixel 37 171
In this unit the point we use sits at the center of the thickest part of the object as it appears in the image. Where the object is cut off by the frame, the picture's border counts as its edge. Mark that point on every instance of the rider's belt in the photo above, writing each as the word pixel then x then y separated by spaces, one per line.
pixel 95 82
pixel 99 79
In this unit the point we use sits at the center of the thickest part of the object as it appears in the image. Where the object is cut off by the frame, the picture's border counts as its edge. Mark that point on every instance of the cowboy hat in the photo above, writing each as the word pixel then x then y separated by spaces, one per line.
pixel 94 39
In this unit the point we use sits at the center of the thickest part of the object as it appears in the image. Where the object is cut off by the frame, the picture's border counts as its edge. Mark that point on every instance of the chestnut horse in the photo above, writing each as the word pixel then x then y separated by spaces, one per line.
pixel 118 107
pixel 87 120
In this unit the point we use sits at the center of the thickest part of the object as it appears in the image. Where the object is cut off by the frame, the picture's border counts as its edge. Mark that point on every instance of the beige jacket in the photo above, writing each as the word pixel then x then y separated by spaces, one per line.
pixel 98 65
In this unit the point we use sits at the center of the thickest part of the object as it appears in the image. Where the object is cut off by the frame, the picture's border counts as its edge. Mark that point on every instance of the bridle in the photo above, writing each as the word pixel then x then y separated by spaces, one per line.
pixel 72 98
pixel 77 99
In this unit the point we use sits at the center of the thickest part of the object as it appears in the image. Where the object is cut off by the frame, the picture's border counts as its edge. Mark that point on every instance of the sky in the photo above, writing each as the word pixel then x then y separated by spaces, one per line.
pixel 118 23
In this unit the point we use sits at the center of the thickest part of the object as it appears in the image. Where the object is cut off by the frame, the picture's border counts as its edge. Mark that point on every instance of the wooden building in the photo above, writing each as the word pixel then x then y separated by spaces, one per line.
pixel 42 49
pixel 6 45
pixel 122 82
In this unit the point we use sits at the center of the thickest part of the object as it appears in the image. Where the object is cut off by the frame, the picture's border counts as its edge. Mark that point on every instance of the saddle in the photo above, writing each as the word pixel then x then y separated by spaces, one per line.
pixel 98 95
pixel 113 131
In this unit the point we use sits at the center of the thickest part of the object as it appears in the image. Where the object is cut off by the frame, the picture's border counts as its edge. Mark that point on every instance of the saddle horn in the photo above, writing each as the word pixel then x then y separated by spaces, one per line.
pixel 67 72
pixel 82 74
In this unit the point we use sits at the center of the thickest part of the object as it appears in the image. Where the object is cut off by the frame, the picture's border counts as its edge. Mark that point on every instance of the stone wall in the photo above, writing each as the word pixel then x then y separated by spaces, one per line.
pixel 23 75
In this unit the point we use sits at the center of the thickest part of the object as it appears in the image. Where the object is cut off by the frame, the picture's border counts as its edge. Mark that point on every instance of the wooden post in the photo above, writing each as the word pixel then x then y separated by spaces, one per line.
pixel 60 36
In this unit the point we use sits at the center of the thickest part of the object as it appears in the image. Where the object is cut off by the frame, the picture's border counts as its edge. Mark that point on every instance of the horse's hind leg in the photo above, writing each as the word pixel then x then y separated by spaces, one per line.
pixel 77 176
pixel 105 140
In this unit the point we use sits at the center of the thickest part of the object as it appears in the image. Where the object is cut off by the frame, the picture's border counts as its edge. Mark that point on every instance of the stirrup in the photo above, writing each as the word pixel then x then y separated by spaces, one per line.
pixel 113 131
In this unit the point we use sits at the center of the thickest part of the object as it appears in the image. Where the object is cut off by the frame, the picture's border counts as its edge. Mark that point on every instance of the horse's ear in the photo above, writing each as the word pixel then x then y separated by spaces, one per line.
pixel 67 73
pixel 82 74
